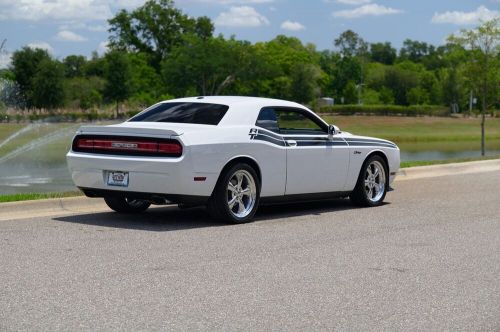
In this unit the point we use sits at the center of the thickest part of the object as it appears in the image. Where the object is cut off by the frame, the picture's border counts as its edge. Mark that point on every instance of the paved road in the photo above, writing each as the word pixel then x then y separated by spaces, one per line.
pixel 427 260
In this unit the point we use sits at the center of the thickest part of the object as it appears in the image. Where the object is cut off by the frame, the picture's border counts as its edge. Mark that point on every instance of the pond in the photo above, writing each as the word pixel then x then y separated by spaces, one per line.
pixel 32 157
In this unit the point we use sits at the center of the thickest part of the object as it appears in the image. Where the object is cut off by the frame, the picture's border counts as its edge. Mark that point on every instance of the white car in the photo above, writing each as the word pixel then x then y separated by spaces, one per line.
pixel 231 154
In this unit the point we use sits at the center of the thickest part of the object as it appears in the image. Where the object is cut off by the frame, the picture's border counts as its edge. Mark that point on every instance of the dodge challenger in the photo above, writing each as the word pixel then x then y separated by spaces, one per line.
pixel 230 154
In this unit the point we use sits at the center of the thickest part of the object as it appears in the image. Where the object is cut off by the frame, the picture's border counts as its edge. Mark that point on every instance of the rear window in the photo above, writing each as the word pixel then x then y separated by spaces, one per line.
pixel 196 113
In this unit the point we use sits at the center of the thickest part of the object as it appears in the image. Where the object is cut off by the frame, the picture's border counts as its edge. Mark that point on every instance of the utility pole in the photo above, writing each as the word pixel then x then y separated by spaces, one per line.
pixel 470 103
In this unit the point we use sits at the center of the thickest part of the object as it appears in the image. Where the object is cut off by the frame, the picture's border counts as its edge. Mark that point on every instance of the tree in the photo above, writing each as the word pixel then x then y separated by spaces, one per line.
pixel 351 44
pixel 25 64
pixel 483 67
pixel 418 96
pixel 84 93
pixel 304 87
pixel 207 66
pixel 400 80
pixel 414 50
pixel 74 65
pixel 383 53
pixel 48 87
pixel 155 28
pixel 117 74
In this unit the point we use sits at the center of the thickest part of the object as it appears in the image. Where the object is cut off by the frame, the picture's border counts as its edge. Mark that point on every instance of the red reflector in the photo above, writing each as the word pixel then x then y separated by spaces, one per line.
pixel 200 178
pixel 85 143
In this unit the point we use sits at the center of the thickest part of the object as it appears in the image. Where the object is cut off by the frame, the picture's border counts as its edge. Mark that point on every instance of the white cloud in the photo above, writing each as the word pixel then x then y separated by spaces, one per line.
pixel 243 16
pixel 67 10
pixel 103 47
pixel 459 18
pixel 66 35
pixel 367 10
pixel 43 45
pixel 354 2
pixel 95 28
pixel 5 59
pixel 292 26
pixel 233 2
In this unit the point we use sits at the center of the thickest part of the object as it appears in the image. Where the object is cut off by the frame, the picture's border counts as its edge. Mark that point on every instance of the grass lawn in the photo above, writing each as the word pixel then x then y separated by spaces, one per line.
pixel 37 196
pixel 423 133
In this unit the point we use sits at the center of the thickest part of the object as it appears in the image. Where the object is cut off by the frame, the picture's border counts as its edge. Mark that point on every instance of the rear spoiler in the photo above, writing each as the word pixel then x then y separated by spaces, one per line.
pixel 128 131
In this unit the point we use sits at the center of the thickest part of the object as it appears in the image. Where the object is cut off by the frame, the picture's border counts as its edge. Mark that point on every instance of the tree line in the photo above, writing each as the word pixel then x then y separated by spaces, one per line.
pixel 158 52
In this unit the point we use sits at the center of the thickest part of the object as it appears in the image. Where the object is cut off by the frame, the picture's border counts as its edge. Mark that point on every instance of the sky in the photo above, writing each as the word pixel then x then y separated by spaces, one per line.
pixel 65 27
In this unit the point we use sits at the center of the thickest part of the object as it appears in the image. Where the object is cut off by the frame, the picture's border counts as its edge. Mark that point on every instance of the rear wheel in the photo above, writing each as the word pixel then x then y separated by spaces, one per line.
pixel 371 187
pixel 236 195
pixel 126 205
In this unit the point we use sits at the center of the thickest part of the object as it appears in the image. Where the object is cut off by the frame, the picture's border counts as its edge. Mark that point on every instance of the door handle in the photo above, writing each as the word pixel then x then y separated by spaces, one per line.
pixel 291 143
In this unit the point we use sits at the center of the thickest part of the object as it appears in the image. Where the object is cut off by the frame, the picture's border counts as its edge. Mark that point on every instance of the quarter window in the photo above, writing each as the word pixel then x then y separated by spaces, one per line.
pixel 288 121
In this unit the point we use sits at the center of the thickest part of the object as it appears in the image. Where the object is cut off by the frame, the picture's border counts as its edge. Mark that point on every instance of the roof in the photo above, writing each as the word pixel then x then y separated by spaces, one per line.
pixel 242 110
pixel 234 100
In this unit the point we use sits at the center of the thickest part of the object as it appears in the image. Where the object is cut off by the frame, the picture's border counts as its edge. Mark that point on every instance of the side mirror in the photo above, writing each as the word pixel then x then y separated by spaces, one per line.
pixel 332 131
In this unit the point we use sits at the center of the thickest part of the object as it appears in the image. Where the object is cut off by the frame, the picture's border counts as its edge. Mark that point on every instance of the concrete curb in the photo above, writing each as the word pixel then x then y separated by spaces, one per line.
pixel 74 205
pixel 420 172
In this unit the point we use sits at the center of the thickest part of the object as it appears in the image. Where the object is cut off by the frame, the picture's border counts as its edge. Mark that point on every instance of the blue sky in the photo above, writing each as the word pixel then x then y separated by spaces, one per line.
pixel 80 26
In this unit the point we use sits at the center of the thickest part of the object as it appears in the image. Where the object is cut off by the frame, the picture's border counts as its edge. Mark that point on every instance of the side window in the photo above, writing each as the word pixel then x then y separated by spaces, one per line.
pixel 268 119
pixel 287 121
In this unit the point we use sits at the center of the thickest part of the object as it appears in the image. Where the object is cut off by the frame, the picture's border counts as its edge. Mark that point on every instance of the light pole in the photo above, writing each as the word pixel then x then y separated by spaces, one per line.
pixel 358 87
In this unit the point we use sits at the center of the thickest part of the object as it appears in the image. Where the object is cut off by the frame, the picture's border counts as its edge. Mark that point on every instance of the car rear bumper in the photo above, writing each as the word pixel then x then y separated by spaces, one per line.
pixel 165 176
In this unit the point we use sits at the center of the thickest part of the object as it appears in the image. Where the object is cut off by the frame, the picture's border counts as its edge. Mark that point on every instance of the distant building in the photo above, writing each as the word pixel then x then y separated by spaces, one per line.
pixel 326 101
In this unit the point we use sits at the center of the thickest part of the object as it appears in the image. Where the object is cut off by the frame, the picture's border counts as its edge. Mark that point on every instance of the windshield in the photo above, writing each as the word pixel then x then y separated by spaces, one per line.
pixel 195 113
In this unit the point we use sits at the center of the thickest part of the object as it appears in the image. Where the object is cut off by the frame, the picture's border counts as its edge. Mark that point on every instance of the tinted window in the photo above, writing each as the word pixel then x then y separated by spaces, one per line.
pixel 288 121
pixel 197 113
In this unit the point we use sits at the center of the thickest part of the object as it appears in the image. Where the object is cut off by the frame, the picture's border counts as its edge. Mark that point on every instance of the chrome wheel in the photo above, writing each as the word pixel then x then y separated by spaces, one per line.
pixel 241 193
pixel 375 180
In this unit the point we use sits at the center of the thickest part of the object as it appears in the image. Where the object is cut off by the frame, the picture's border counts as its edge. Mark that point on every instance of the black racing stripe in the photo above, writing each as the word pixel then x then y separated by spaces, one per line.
pixel 364 140
pixel 265 138
pixel 372 144
pixel 269 133
pixel 321 143
pixel 313 138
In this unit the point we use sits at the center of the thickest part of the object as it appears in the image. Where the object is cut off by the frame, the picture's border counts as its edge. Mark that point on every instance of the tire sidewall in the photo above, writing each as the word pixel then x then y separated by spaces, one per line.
pixel 361 179
pixel 221 193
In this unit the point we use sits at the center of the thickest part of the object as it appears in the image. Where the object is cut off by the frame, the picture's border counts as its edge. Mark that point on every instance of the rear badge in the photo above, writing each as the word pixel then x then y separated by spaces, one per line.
pixel 124 145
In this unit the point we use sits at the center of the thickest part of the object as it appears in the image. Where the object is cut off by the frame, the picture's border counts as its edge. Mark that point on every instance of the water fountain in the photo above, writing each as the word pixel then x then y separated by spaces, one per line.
pixel 33 159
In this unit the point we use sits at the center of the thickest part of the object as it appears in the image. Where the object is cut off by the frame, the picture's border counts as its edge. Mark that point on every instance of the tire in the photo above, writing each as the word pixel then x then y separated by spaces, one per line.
pixel 236 196
pixel 373 181
pixel 126 205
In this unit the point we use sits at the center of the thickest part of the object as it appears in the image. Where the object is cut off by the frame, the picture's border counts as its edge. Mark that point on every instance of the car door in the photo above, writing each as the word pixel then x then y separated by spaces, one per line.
pixel 315 162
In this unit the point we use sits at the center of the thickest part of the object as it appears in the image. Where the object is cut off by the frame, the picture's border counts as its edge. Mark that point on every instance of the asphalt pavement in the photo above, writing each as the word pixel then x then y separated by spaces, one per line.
pixel 427 260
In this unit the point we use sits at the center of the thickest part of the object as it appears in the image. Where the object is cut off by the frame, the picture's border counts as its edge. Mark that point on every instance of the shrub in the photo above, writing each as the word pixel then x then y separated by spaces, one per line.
pixel 414 110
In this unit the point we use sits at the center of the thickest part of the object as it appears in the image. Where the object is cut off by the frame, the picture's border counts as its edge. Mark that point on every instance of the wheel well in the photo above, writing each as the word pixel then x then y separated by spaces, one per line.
pixel 245 160
pixel 383 156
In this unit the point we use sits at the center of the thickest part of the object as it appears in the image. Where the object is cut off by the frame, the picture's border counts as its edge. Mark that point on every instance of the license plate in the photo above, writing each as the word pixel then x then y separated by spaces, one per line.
pixel 117 178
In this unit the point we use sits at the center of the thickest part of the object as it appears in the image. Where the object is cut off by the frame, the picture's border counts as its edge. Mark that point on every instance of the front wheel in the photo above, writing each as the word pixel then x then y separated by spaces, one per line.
pixel 236 195
pixel 371 187
pixel 126 205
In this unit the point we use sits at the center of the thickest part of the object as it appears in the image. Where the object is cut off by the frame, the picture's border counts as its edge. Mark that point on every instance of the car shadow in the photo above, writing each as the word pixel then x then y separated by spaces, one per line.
pixel 171 218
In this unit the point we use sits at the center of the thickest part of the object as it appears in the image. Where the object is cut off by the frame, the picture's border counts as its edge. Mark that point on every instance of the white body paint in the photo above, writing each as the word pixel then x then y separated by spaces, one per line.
pixel 285 170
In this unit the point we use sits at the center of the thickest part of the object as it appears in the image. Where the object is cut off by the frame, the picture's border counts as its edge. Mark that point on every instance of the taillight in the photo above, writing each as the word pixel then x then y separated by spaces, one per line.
pixel 127 146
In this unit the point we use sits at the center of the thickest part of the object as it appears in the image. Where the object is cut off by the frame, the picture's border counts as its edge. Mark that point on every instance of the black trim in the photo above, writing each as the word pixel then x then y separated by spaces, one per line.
pixel 152 197
pixel 312 197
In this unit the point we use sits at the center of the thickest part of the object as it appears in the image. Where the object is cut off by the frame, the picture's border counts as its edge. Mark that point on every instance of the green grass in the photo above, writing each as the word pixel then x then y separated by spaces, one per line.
pixel 37 196
pixel 407 164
